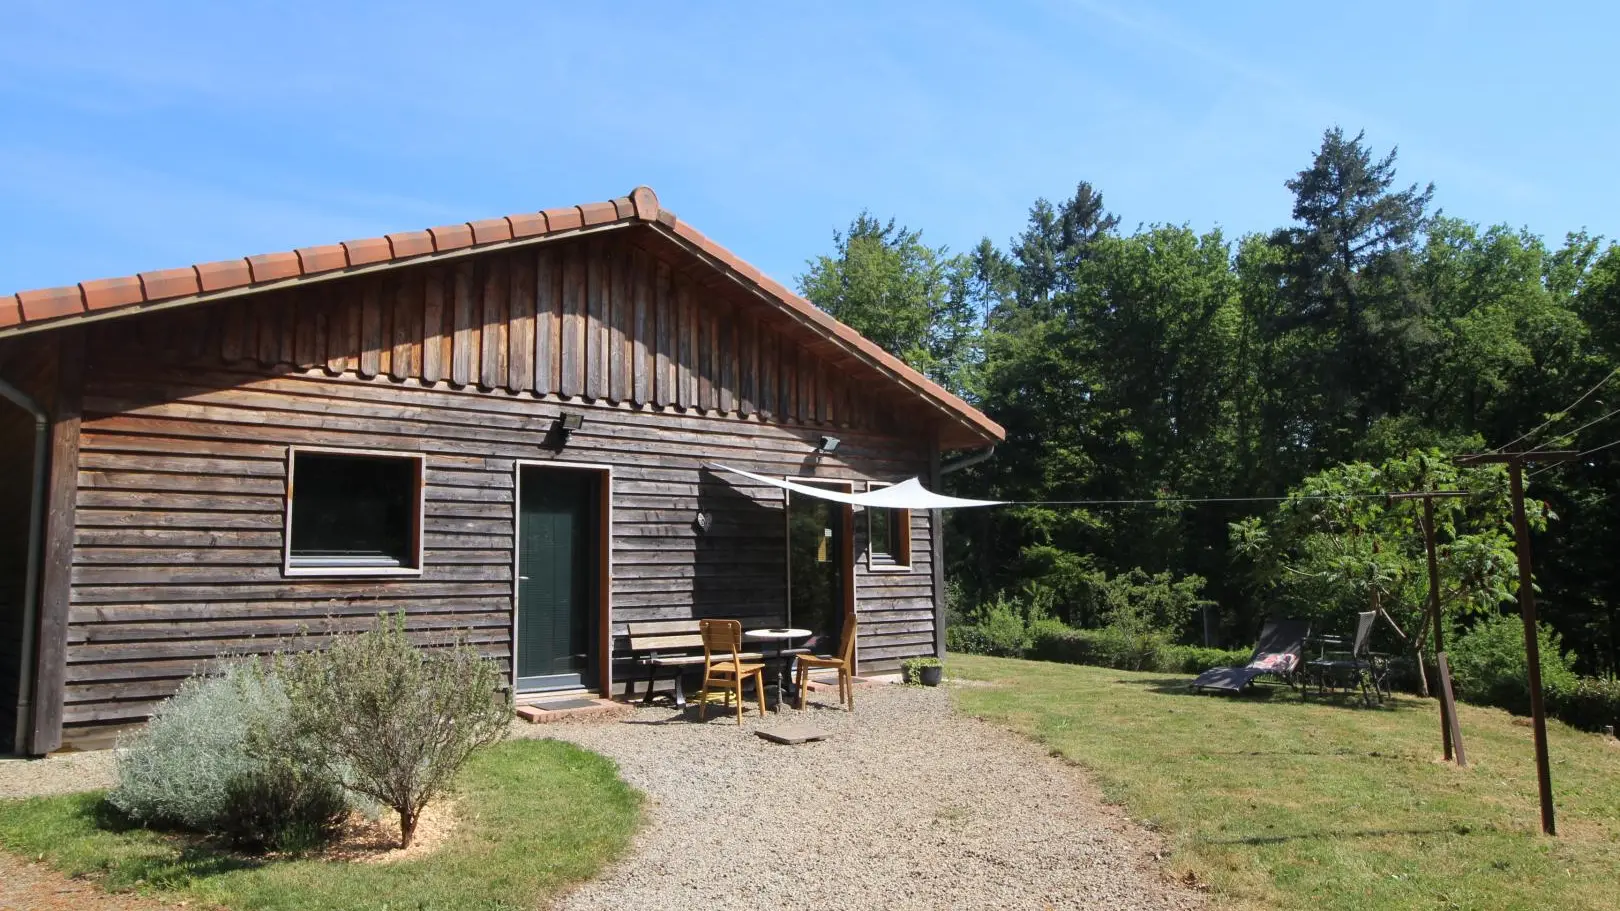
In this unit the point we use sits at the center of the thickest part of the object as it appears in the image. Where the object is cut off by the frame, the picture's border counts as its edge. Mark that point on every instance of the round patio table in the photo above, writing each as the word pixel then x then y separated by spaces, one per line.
pixel 781 655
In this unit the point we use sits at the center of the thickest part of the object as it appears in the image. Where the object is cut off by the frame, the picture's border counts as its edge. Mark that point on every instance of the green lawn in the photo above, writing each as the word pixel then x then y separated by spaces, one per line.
pixel 1279 803
pixel 536 816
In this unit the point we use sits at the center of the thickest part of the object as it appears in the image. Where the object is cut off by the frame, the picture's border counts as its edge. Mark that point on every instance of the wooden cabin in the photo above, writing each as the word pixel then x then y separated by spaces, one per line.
pixel 501 428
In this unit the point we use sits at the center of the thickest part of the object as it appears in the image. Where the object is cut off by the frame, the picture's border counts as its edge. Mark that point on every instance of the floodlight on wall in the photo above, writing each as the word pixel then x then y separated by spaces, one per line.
pixel 828 445
pixel 566 424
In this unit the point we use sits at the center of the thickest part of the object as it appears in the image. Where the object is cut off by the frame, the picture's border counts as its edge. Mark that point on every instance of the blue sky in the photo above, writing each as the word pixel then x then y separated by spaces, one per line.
pixel 146 135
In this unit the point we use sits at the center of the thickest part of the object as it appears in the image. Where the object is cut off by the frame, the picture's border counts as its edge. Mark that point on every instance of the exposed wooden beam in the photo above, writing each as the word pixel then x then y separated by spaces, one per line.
pixel 56 577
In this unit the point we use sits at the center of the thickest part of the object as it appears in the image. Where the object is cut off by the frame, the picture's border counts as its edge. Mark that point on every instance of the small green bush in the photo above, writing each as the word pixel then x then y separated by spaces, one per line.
pixel 1004 628
pixel 966 639
pixel 911 668
pixel 282 807
pixel 1488 664
pixel 1101 647
pixel 1589 703
pixel 395 720
pixel 1193 659
pixel 998 627
pixel 1110 647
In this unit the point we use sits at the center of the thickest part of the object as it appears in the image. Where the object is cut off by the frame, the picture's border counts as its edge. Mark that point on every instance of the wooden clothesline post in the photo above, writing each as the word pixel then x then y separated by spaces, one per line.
pixel 1450 730
pixel 1515 461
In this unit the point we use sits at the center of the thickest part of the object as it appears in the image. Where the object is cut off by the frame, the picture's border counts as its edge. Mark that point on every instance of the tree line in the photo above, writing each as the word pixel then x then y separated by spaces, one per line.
pixel 1167 364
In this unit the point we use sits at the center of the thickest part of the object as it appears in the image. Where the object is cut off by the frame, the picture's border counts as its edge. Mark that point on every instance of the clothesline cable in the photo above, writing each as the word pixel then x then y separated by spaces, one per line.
pixel 1170 500
pixel 1576 459
pixel 1559 415
pixel 1577 430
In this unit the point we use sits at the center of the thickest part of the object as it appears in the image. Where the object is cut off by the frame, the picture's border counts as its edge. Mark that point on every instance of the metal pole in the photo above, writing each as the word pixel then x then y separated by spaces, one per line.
pixel 1527 609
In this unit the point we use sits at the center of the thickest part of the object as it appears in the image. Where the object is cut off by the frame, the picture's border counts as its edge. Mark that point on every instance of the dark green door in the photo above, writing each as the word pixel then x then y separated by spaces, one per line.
pixel 557 570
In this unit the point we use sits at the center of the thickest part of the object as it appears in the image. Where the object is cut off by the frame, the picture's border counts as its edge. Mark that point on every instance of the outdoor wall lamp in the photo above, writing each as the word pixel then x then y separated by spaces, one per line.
pixel 702 522
pixel 828 445
pixel 566 424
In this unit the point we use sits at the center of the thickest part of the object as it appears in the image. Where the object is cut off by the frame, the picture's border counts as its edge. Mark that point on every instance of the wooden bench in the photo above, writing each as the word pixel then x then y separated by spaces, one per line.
pixel 671 646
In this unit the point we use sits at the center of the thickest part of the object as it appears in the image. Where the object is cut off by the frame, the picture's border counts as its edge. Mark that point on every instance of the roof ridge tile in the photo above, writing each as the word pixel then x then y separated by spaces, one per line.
pixel 224 274
pixel 368 250
pixel 107 293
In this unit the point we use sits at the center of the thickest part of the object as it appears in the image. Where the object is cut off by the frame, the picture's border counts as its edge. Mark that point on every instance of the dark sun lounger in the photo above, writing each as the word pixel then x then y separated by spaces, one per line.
pixel 1279 653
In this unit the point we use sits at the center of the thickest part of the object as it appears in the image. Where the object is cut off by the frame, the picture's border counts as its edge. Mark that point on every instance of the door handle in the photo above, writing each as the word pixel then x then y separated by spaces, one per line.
pixel 523 578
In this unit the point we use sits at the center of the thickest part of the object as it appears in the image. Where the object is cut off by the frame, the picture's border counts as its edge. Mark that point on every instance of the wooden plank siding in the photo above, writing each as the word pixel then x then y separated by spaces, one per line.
pixel 183 450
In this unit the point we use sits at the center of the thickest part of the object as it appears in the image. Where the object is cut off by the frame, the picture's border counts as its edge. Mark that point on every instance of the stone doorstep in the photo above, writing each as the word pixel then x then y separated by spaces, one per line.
pixel 598 710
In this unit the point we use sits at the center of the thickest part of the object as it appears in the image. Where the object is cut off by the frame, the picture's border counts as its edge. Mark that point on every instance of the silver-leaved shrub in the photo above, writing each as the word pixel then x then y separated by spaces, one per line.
pixel 179 768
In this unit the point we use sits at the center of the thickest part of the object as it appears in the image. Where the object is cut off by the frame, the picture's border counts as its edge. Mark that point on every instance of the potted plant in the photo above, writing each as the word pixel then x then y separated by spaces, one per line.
pixel 926 671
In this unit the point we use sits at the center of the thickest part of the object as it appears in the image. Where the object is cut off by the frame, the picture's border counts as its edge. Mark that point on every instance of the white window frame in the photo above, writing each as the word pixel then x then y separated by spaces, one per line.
pixel 417 536
pixel 893 564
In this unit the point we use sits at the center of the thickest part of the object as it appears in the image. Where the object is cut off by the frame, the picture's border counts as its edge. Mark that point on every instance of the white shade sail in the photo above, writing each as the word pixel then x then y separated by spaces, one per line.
pixel 908 494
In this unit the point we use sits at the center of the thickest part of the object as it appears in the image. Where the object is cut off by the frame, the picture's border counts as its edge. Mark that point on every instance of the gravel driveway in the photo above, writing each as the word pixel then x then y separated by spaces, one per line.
pixel 907 806
pixel 61 774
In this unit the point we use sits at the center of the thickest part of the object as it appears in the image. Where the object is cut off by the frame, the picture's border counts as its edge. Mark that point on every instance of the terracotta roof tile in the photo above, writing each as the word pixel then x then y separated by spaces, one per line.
pixel 227 273
pixel 104 293
pixel 451 237
pixel 410 243
pixel 598 213
pixel 55 306
pixel 490 230
pixel 49 303
pixel 748 271
pixel 703 243
pixel 169 283
pixel 529 224
pixel 268 267
pixel 368 251
pixel 563 219
pixel 645 202
pixel 324 258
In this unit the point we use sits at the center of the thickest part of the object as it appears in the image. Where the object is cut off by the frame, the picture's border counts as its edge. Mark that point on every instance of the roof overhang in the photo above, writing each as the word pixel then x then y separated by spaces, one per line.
pixel 27 312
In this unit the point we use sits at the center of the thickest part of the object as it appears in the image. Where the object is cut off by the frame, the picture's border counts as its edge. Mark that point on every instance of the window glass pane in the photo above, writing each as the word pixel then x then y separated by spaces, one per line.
pixel 353 511
pixel 899 530
pixel 889 536
pixel 879 532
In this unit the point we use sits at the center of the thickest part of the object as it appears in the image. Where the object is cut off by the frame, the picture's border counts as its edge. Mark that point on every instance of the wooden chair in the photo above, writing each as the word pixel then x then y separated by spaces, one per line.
pixel 844 662
pixel 725 638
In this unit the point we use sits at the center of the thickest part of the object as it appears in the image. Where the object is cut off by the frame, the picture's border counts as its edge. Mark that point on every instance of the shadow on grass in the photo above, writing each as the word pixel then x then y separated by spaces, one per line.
pixel 103 815
pixel 176 857
pixel 1325 754
pixel 1340 835
pixel 1269 692
pixel 185 865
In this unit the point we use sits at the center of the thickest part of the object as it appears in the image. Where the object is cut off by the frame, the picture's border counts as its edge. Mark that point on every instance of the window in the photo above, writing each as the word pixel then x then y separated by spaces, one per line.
pixel 888 536
pixel 354 513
